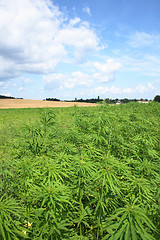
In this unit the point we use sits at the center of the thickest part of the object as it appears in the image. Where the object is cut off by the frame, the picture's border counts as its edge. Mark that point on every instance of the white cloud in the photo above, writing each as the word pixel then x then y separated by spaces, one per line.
pixel 147 65
pixel 61 81
pixel 9 84
pixel 82 79
pixel 103 90
pixel 82 39
pixel 92 74
pixel 150 86
pixel 87 10
pixel 113 90
pixel 35 35
pixel 27 29
pixel 74 21
pixel 105 72
pixel 8 68
pixel 142 39
pixel 53 81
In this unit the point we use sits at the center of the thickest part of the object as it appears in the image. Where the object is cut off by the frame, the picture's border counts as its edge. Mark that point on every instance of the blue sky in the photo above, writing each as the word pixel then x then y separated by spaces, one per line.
pixel 71 49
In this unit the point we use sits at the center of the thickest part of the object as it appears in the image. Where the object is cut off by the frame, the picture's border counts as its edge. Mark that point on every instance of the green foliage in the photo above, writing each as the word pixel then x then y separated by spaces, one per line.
pixel 157 98
pixel 129 222
pixel 11 219
pixel 80 173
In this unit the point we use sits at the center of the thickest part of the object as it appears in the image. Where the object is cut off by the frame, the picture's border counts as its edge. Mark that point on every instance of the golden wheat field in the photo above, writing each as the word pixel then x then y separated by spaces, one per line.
pixel 24 103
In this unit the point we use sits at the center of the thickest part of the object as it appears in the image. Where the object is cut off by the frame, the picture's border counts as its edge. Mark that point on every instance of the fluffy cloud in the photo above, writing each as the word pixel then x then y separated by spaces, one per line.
pixel 99 73
pixel 81 79
pixel 61 81
pixel 139 89
pixel 53 81
pixel 74 21
pixel 35 36
pixel 8 68
pixel 27 29
pixel 82 39
pixel 105 72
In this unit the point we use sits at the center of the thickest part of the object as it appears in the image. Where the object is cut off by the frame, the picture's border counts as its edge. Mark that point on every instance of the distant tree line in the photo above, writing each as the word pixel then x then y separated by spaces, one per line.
pixel 4 97
pixel 108 100
pixel 52 99
pixel 92 100
pixel 123 100
pixel 8 97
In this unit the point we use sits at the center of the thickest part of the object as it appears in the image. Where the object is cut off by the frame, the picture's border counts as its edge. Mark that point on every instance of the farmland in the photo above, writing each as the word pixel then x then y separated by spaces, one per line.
pixel 24 103
pixel 80 173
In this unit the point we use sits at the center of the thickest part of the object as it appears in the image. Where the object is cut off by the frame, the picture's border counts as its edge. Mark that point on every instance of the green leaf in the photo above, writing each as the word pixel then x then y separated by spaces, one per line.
pixel 106 237
pixel 120 232
pixel 133 232
pixel 2 231
pixel 127 233
pixel 143 233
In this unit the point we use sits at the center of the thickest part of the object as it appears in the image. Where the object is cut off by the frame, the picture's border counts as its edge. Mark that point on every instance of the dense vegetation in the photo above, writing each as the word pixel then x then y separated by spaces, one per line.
pixel 110 101
pixel 91 100
pixel 8 97
pixel 80 173
pixel 157 98
pixel 52 99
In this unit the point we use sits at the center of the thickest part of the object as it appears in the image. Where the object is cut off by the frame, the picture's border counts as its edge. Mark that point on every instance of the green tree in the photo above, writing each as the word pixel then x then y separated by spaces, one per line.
pixel 157 98
pixel 107 100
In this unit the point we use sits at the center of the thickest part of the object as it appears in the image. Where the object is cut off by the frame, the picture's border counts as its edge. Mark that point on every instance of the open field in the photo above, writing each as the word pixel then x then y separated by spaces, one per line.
pixel 24 103
pixel 80 173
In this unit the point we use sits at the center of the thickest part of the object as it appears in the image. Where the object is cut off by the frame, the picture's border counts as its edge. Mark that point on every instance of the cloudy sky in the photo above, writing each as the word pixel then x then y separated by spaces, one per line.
pixel 71 49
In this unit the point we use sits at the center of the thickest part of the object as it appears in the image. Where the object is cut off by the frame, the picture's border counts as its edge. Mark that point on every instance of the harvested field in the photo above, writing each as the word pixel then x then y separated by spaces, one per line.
pixel 24 103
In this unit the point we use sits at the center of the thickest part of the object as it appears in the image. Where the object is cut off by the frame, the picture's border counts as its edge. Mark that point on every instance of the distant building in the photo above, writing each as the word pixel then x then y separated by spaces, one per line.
pixel 118 102
pixel 142 101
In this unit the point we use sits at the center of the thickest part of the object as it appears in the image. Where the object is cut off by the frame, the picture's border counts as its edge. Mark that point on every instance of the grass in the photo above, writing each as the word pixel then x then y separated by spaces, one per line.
pixel 80 173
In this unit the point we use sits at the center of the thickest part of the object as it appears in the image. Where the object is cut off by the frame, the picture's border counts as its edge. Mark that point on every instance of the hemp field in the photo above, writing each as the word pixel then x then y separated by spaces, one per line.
pixel 80 173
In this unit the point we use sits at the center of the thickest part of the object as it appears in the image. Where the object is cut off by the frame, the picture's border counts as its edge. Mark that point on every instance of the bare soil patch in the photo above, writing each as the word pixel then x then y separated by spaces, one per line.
pixel 24 103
